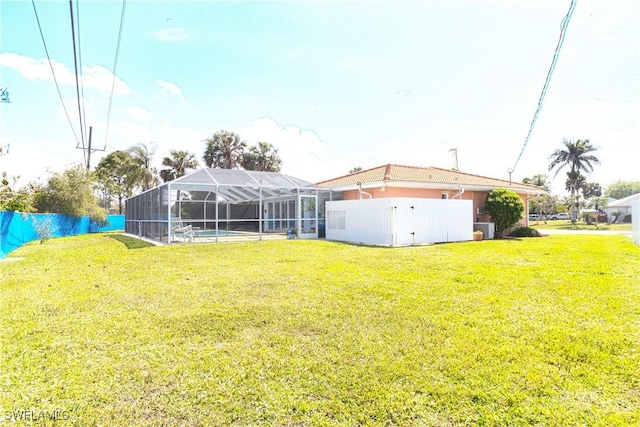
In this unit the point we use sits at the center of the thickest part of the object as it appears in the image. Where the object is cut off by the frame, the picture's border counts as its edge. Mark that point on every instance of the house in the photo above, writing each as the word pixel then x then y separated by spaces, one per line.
pixel 425 182
pixel 401 183
pixel 622 205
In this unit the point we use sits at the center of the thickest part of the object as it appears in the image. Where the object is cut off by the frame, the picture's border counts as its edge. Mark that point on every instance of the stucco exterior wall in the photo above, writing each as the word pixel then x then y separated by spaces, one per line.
pixel 478 198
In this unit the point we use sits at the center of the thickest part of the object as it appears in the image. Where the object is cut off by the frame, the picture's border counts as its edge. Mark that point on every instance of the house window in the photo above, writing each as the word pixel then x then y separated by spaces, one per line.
pixel 445 196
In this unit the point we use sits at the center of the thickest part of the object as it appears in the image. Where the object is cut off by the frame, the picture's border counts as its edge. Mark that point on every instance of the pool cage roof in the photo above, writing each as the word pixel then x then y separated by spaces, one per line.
pixel 239 185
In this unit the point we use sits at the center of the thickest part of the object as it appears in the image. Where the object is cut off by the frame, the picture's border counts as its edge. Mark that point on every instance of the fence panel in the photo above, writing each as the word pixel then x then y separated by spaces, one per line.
pixel 17 228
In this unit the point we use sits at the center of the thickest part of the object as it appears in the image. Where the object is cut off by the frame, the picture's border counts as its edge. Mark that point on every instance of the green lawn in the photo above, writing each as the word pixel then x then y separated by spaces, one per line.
pixel 580 225
pixel 539 331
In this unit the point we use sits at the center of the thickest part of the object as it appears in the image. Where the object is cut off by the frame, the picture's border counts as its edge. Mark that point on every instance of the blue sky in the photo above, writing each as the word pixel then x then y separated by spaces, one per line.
pixel 332 85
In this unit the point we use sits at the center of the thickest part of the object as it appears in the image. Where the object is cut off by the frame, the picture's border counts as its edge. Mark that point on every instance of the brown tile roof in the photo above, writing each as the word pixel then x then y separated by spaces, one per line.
pixel 427 175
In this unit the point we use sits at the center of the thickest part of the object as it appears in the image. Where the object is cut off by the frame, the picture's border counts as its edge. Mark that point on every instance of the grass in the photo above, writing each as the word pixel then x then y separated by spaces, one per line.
pixel 516 332
pixel 580 225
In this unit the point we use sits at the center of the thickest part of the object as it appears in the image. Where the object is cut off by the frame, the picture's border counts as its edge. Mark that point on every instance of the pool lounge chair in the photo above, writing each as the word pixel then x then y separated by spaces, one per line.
pixel 179 229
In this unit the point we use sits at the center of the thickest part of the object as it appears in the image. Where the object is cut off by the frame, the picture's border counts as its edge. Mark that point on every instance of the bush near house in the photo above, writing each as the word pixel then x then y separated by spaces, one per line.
pixel 505 209
pixel 524 232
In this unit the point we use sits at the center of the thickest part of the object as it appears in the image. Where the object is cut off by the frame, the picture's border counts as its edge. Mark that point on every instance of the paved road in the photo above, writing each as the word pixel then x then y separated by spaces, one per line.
pixel 600 232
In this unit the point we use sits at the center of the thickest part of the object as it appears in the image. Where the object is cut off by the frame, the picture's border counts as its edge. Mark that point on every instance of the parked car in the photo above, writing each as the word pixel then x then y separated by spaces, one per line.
pixel 535 217
pixel 561 215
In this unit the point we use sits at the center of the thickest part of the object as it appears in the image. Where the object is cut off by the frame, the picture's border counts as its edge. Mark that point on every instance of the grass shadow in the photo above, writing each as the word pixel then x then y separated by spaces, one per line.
pixel 129 242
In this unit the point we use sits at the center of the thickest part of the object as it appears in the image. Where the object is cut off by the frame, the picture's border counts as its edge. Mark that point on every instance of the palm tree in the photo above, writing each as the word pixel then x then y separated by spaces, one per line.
pixel 264 157
pixel 143 154
pixel 178 164
pixel 577 156
pixel 224 150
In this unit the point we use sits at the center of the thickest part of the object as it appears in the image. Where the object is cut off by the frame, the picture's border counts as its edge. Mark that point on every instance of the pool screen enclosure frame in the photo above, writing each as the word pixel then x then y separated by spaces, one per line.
pixel 224 202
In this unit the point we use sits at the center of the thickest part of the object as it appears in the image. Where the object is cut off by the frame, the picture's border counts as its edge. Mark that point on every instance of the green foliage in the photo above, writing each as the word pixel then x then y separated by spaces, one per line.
pixel 591 190
pixel 97 216
pixel 588 217
pixel 541 180
pixel 11 200
pixel 224 150
pixel 143 155
pixel 621 189
pixel 543 204
pixel 69 192
pixel 119 174
pixel 177 165
pixel 263 157
pixel 505 209
pixel 497 333
pixel 578 157
pixel 356 169
pixel 524 232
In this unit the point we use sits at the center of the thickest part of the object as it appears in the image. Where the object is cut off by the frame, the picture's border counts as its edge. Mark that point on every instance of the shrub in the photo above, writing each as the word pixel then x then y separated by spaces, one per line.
pixel 524 232
pixel 505 209
pixel 43 227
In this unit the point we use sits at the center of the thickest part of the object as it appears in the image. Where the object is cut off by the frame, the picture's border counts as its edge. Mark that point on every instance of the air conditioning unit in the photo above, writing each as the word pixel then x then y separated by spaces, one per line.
pixel 480 211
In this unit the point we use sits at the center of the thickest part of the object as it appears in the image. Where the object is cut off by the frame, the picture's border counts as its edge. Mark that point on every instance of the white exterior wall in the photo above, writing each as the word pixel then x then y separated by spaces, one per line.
pixel 635 220
pixel 399 221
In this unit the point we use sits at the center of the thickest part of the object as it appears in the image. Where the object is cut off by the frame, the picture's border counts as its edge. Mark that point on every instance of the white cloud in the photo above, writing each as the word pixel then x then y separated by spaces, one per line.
pixel 140 114
pixel 169 88
pixel 304 154
pixel 94 77
pixel 171 34
pixel 403 94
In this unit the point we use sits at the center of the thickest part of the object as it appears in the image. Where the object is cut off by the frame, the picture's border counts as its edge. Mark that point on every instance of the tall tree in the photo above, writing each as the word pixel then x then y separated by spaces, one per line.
pixel 143 155
pixel 224 150
pixel 118 175
pixel 578 157
pixel 541 180
pixel 263 157
pixel 177 165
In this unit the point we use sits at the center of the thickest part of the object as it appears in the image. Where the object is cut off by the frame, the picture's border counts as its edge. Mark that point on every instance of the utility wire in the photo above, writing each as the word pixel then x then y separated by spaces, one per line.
pixel 35 11
pixel 115 65
pixel 563 28
pixel 75 63
pixel 84 114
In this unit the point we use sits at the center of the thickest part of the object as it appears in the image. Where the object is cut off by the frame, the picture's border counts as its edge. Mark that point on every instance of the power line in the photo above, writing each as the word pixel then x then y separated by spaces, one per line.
pixel 115 65
pixel 35 11
pixel 84 114
pixel 563 28
pixel 75 63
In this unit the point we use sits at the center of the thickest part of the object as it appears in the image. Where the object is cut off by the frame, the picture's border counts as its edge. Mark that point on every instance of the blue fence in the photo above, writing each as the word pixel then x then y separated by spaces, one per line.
pixel 17 228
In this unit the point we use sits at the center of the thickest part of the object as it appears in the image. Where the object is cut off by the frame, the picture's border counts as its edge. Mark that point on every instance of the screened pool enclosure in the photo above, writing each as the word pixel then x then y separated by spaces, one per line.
pixel 227 204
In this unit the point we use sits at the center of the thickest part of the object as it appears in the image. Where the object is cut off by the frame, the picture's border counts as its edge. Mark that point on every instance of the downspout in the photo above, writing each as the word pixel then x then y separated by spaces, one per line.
pixel 460 193
pixel 361 192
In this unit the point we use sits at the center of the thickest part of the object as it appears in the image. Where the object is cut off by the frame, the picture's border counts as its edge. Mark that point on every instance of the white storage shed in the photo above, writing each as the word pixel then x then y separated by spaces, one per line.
pixel 399 221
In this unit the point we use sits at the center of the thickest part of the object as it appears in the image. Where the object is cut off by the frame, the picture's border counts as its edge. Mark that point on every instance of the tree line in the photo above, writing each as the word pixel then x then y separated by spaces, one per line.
pixel 123 173
pixel 579 160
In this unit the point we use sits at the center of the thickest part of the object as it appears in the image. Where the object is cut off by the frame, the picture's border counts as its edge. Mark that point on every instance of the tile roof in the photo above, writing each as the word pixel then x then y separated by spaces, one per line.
pixel 426 175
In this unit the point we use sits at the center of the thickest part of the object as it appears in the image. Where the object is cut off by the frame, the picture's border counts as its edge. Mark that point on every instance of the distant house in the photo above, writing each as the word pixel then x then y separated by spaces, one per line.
pixel 622 205
pixel 393 180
